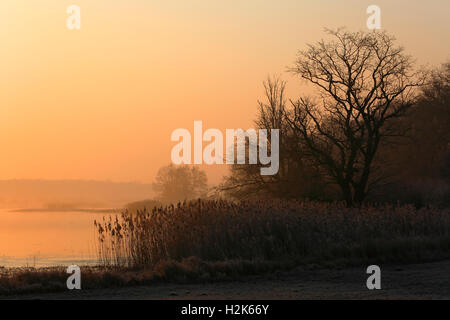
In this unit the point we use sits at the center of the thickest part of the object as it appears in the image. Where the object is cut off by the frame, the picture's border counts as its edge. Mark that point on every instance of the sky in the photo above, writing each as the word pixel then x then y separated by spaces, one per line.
pixel 101 102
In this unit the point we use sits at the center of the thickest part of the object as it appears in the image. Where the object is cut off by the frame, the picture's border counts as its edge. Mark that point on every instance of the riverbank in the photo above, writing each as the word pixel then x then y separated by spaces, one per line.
pixel 412 281
pixel 205 242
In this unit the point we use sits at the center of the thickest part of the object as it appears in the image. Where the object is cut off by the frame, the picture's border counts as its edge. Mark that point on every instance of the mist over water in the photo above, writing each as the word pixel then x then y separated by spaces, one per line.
pixel 28 193
pixel 43 238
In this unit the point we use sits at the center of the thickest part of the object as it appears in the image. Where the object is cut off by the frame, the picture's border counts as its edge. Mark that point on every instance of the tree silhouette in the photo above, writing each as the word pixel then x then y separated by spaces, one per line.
pixel 296 177
pixel 179 183
pixel 363 81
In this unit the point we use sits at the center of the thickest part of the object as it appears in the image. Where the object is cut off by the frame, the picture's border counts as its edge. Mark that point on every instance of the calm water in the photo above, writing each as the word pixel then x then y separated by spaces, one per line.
pixel 47 238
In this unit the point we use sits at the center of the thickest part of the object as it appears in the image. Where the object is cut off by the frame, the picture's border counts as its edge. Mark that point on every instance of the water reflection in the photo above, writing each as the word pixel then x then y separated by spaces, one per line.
pixel 48 238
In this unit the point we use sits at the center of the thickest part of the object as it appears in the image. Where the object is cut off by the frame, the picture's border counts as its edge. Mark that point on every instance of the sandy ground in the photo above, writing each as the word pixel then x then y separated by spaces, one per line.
pixel 417 281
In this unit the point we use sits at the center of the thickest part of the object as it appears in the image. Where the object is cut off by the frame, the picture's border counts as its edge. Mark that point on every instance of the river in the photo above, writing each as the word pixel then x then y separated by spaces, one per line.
pixel 39 238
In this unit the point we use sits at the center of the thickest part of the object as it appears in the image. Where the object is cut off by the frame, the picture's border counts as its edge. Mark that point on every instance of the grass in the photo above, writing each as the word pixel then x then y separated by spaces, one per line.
pixel 17 281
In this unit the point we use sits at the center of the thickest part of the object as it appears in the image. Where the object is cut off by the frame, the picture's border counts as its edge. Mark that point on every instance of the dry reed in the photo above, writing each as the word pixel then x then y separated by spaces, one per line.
pixel 273 231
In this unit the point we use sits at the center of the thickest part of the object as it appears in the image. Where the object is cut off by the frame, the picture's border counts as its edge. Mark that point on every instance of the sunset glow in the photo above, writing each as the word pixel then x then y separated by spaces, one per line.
pixel 100 103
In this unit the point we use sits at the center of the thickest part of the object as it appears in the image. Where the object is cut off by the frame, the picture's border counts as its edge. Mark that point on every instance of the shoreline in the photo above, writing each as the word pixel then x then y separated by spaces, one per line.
pixel 399 281
pixel 108 210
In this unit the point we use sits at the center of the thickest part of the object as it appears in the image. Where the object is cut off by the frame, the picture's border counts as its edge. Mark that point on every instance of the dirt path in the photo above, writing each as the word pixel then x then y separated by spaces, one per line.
pixel 419 281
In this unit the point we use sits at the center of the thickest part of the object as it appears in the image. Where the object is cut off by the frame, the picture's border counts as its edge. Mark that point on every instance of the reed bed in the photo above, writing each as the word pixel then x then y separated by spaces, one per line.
pixel 295 231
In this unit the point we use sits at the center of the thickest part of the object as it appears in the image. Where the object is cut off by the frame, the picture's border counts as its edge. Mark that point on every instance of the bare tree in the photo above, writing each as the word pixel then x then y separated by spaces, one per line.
pixel 296 177
pixel 246 180
pixel 363 81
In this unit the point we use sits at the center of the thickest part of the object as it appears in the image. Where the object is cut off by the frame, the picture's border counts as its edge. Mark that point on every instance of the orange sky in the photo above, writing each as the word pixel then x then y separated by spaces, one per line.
pixel 101 103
